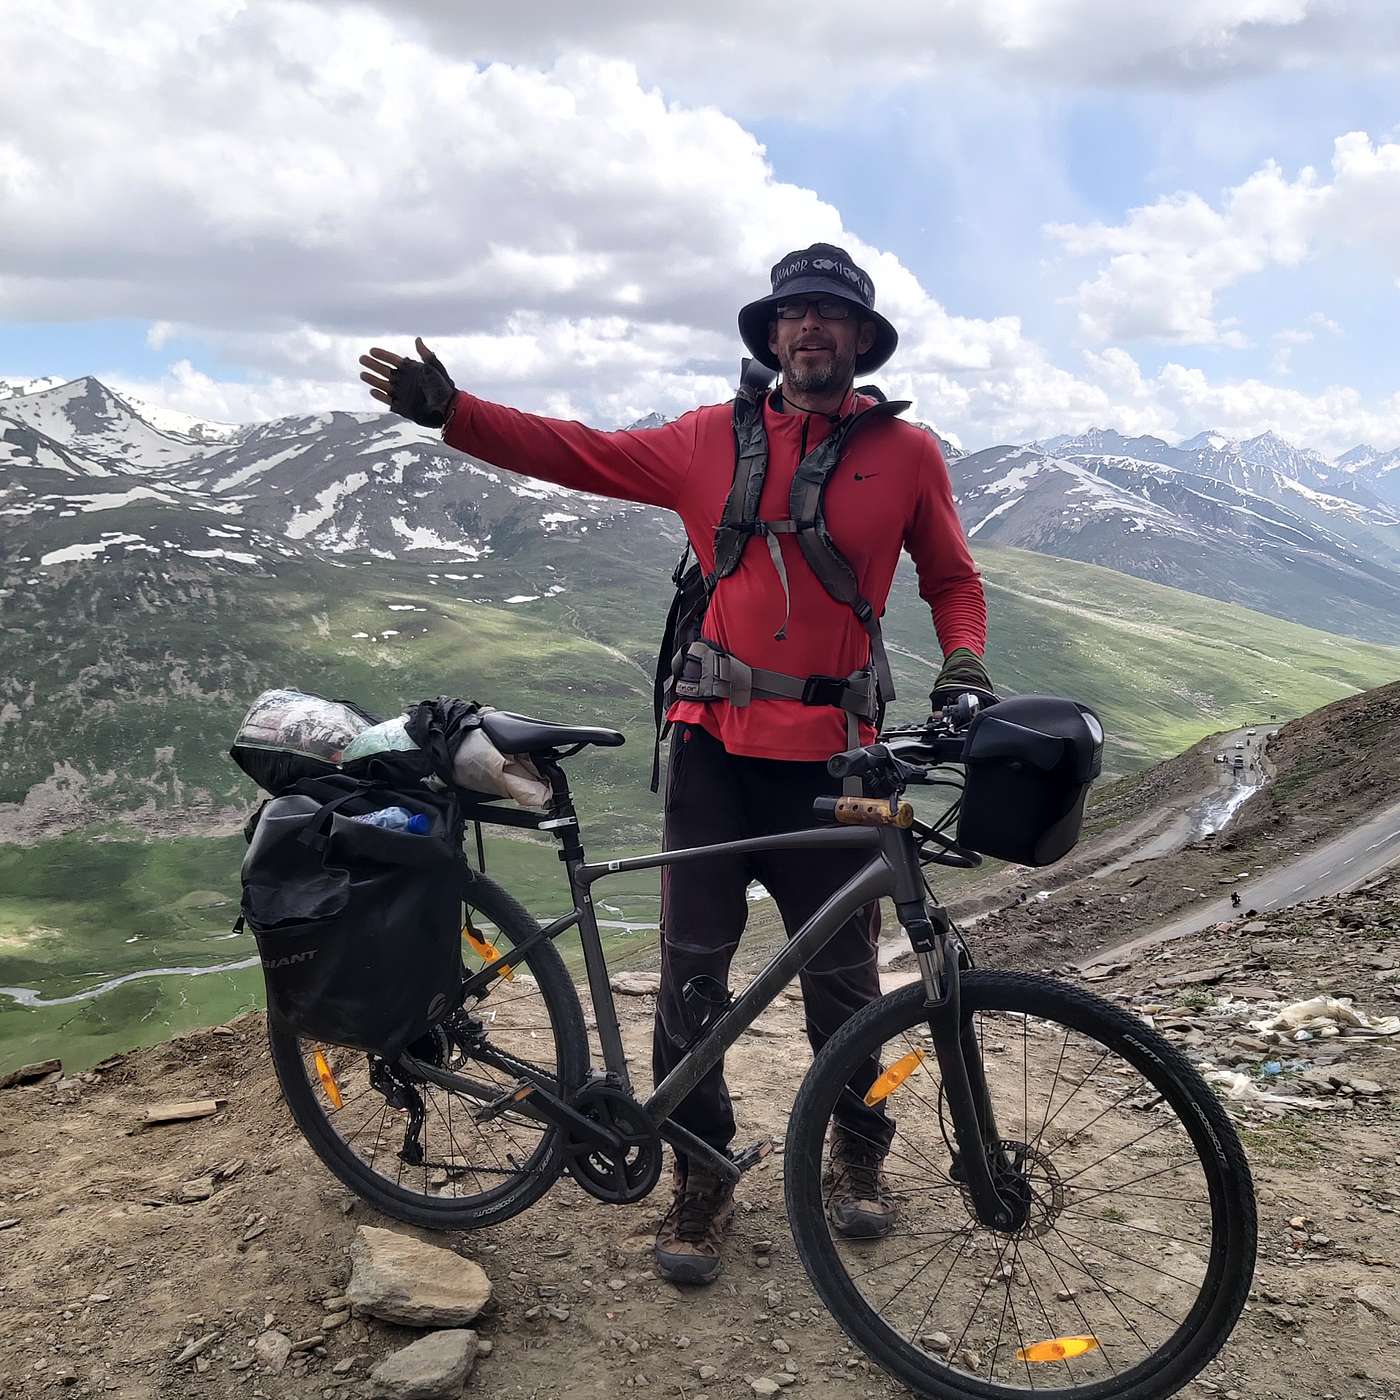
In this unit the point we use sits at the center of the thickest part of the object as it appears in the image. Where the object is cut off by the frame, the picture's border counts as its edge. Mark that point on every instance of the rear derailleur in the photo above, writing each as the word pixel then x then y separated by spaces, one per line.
pixel 401 1094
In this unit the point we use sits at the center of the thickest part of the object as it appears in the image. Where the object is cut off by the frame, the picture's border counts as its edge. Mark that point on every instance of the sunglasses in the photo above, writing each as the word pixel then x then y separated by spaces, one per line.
pixel 828 308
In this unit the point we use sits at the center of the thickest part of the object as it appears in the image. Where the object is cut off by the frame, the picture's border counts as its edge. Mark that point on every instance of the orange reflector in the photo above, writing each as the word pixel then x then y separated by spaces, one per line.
pixel 893 1077
pixel 1057 1349
pixel 328 1080
pixel 487 951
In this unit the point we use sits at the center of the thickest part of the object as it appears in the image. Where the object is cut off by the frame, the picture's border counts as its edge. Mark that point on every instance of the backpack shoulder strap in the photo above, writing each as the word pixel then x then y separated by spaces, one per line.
pixel 750 469
pixel 805 503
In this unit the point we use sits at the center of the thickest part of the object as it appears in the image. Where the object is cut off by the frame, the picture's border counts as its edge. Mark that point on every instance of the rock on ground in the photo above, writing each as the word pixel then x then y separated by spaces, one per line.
pixel 272 1350
pixel 435 1365
pixel 636 984
pixel 399 1279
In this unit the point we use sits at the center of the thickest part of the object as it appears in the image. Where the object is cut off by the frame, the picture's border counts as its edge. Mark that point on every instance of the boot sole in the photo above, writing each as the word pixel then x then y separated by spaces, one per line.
pixel 686 1269
pixel 861 1227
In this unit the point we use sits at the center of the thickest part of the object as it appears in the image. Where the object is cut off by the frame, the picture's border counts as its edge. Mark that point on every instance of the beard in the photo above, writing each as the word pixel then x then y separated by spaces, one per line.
pixel 835 371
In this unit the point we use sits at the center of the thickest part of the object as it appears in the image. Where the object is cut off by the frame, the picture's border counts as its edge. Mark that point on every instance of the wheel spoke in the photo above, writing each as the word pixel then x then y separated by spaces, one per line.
pixel 1076 1100
pixel 454 1163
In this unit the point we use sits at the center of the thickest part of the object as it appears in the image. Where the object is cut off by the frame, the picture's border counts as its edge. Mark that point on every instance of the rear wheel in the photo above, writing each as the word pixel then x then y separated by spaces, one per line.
pixel 1130 1267
pixel 418 1151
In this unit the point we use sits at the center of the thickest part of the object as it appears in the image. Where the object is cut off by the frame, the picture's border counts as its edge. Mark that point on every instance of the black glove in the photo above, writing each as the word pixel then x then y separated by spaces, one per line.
pixel 963 673
pixel 422 390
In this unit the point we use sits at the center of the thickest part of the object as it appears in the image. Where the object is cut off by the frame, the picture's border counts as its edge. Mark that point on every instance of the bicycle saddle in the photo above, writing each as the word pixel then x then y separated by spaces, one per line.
pixel 520 734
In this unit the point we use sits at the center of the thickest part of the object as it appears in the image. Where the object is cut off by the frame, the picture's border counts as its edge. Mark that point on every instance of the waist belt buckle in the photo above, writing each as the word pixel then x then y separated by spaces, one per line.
pixel 824 690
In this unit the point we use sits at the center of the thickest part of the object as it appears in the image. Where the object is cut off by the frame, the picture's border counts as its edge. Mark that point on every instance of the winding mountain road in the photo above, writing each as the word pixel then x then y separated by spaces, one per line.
pixel 1338 865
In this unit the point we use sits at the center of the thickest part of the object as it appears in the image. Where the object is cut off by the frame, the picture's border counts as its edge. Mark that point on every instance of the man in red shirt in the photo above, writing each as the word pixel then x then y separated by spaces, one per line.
pixel 741 765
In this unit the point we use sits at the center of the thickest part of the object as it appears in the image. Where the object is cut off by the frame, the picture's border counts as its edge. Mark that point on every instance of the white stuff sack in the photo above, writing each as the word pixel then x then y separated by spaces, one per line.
pixel 479 766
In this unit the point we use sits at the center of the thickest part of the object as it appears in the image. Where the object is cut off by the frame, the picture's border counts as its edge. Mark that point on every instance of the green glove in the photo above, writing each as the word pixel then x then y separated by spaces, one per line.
pixel 962 673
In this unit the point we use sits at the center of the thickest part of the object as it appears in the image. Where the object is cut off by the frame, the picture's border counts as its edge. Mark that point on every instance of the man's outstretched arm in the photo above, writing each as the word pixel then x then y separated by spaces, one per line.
pixel 649 467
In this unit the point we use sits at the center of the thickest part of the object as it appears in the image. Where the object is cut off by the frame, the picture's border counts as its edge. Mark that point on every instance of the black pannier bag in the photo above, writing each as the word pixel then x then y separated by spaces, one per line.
pixel 1029 762
pixel 358 928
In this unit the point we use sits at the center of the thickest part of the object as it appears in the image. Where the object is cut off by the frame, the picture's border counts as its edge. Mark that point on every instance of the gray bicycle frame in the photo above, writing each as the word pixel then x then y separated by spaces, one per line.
pixel 892 870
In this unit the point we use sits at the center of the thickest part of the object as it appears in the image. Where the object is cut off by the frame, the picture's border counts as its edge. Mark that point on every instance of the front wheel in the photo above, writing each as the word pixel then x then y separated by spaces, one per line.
pixel 1134 1260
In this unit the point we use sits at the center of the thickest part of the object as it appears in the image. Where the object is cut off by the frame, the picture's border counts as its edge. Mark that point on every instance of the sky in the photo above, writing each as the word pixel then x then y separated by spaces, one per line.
pixel 1077 212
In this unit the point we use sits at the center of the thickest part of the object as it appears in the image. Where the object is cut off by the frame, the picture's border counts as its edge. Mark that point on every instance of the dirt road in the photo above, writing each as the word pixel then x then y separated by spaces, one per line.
pixel 1329 869
pixel 124 1249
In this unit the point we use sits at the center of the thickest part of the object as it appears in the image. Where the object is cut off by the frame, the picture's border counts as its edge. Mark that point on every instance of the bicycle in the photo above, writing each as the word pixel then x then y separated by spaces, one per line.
pixel 1002 1160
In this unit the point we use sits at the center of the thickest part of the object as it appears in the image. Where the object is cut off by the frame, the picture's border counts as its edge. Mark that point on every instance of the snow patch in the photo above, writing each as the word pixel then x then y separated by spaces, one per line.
pixel 263 464
pixel 420 537
pixel 231 554
pixel 305 521
pixel 993 513
pixel 72 553
pixel 111 500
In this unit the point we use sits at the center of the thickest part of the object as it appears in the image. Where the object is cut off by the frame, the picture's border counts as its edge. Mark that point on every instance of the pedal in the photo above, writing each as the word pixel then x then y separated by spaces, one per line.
pixel 752 1155
pixel 506 1102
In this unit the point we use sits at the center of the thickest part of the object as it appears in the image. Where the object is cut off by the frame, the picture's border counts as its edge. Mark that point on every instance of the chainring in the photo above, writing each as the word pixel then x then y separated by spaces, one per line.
pixel 620 1176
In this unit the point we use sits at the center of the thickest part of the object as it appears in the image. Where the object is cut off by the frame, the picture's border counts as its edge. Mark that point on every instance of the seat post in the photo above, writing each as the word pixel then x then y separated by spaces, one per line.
pixel 563 818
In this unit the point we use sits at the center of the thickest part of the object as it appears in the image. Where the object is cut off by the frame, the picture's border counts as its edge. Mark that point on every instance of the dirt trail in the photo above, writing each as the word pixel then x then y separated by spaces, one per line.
pixel 112 1266
pixel 108 1274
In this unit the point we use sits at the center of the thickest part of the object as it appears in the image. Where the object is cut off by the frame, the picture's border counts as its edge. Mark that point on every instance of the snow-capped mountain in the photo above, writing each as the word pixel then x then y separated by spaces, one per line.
pixel 1377 472
pixel 13 388
pixel 1208 440
pixel 85 478
pixel 86 417
pixel 153 578
pixel 1312 557
pixel 186 426
pixel 91 480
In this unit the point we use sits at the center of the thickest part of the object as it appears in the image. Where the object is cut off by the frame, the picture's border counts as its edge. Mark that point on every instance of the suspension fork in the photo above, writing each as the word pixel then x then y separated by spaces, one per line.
pixel 982 1164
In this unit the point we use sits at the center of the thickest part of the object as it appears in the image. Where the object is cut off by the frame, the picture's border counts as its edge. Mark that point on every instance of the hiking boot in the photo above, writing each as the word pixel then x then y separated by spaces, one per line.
pixel 859 1203
pixel 689 1238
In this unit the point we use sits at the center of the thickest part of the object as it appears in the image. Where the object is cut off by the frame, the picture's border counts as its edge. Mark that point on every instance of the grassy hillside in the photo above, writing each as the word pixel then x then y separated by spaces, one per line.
pixel 115 718
pixel 1162 667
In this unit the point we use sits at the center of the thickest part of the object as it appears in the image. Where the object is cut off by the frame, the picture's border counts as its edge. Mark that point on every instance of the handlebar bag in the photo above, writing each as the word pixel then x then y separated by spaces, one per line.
pixel 358 928
pixel 1029 762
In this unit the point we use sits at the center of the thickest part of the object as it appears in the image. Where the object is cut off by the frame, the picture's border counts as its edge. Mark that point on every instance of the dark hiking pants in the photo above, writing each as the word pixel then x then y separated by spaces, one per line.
pixel 712 795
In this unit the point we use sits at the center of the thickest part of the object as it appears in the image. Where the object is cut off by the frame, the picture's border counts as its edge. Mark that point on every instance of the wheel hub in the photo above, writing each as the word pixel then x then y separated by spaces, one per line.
pixel 1027 1181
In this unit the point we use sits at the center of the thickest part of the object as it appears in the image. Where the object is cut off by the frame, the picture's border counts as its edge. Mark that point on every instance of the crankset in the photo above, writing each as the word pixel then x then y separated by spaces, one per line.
pixel 622 1174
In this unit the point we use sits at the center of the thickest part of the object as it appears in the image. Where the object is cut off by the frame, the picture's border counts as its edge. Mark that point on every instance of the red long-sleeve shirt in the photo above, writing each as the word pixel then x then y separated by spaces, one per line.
pixel 890 490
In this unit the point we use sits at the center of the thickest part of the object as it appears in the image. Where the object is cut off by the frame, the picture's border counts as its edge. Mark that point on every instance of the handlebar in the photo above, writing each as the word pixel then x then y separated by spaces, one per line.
pixel 939 740
pixel 855 763
pixel 901 758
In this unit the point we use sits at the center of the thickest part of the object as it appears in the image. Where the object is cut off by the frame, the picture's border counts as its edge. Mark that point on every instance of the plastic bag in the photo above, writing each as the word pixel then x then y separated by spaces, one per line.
pixel 389 737
pixel 1324 1016
pixel 479 766
pixel 289 734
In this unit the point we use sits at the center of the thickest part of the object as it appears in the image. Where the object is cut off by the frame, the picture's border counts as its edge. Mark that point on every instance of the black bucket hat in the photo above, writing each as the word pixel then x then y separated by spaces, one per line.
pixel 823 270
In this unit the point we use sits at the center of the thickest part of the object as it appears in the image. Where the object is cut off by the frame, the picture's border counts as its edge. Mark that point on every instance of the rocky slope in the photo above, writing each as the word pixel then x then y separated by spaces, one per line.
pixel 212 1257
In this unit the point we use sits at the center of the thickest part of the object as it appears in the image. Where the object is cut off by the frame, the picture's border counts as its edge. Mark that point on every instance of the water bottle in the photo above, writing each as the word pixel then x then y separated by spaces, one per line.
pixel 397 819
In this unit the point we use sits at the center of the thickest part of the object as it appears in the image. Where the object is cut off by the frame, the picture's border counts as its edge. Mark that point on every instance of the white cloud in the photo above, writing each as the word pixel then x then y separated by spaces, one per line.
pixel 287 191
pixel 567 238
pixel 1168 261
pixel 771 59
